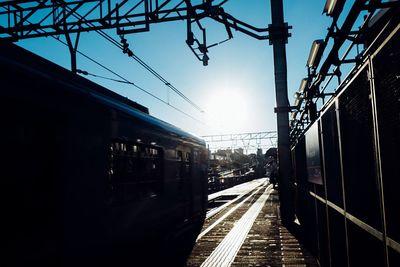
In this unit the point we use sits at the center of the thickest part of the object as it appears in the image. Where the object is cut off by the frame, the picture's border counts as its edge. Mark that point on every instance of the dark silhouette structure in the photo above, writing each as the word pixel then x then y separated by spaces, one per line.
pixel 90 178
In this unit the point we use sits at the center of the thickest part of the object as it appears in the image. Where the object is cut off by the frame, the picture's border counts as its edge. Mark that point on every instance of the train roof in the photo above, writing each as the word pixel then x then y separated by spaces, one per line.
pixel 22 58
pixel 32 61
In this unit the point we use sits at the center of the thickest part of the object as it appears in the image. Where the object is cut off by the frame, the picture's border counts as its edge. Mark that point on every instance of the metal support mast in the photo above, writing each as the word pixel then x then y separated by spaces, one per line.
pixel 278 38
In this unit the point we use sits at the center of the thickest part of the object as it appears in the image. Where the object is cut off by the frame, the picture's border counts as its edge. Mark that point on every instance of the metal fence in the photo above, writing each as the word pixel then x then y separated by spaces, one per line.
pixel 351 215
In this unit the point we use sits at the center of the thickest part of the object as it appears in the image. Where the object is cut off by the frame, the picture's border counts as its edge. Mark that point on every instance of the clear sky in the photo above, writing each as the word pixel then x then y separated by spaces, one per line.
pixel 236 89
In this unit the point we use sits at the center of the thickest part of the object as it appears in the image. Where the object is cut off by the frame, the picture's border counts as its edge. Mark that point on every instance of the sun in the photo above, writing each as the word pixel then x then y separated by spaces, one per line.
pixel 227 110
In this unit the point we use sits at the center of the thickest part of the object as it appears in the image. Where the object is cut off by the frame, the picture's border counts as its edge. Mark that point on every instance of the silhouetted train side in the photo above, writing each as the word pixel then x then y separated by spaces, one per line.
pixel 88 175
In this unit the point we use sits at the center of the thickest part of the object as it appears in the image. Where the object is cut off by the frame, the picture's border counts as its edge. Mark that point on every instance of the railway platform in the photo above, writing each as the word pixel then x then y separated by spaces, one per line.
pixel 243 228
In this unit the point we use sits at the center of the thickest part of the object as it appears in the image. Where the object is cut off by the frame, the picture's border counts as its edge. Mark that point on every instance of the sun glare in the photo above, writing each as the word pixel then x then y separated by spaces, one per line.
pixel 226 111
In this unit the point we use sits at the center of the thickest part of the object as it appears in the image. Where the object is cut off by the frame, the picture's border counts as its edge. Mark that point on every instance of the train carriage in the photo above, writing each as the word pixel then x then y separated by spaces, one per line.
pixel 89 174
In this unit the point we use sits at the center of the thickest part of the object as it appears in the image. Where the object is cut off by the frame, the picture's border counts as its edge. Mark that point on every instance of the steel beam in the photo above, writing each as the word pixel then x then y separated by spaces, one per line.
pixel 279 32
pixel 247 141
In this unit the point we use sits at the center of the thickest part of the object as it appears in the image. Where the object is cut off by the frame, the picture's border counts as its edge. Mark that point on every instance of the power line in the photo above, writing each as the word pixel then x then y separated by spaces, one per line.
pixel 140 61
pixel 124 80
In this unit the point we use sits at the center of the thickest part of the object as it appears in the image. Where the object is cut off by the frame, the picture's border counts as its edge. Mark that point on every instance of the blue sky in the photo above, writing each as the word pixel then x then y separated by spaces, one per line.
pixel 236 89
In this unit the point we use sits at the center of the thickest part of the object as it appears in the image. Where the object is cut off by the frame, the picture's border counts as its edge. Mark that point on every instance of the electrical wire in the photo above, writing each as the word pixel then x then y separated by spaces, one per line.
pixel 123 80
pixel 126 81
pixel 140 61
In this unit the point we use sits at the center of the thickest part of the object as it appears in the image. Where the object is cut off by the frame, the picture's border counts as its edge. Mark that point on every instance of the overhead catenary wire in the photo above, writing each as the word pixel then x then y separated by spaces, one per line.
pixel 142 63
pixel 126 81
pixel 123 79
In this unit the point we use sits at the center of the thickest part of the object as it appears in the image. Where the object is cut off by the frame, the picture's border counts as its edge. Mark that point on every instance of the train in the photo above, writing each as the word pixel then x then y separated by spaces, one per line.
pixel 88 176
pixel 218 181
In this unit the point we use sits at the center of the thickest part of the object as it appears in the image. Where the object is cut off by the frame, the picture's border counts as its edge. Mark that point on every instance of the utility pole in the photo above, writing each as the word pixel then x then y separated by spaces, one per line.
pixel 278 35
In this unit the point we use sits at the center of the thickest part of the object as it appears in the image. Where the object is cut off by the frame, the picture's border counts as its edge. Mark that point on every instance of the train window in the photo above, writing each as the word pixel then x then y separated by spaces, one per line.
pixel 135 171
pixel 179 155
